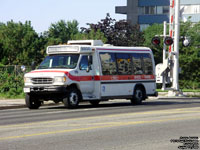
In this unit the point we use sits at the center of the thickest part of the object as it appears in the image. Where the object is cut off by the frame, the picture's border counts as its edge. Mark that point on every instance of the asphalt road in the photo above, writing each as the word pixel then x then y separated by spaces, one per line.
pixel 157 124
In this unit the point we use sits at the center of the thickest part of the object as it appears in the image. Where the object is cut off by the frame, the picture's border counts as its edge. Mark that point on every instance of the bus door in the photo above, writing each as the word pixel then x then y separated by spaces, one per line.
pixel 86 74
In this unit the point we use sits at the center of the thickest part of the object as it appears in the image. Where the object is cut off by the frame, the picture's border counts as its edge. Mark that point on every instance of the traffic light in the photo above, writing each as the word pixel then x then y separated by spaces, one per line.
pixel 155 41
pixel 168 41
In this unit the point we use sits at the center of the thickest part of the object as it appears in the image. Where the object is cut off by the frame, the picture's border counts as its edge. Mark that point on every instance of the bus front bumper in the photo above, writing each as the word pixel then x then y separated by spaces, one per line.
pixel 44 89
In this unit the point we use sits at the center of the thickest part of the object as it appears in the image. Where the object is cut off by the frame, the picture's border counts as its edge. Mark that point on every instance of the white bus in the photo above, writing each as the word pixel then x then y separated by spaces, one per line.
pixel 91 71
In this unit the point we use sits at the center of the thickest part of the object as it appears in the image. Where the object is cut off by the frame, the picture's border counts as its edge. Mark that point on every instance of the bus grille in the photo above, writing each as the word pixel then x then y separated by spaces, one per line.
pixel 42 80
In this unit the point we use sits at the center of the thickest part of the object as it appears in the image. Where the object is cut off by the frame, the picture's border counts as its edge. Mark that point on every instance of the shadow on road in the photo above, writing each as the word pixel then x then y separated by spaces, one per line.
pixel 123 104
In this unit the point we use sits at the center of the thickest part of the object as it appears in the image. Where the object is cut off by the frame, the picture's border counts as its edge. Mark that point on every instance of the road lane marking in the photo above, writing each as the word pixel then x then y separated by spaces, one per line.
pixel 118 124
pixel 45 112
pixel 168 111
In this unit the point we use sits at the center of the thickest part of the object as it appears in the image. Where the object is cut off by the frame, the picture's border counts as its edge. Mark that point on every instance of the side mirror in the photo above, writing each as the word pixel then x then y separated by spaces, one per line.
pixel 88 69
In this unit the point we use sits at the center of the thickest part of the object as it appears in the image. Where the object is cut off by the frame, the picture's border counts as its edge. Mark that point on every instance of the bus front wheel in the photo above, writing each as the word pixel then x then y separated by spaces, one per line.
pixel 31 102
pixel 71 100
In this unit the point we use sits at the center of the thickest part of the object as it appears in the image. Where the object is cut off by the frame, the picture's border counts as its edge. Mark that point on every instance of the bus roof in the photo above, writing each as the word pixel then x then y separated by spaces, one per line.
pixel 89 46
pixel 124 49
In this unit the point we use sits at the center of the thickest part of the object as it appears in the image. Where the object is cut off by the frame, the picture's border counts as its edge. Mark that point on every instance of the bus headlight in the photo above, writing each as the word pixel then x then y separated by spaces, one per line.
pixel 60 79
pixel 27 80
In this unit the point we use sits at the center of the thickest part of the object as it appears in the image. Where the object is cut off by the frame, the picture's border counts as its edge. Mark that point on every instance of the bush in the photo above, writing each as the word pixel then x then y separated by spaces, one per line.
pixel 188 84
pixel 11 85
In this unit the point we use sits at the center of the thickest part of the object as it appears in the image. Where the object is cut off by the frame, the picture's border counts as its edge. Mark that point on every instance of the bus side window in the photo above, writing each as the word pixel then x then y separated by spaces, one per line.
pixel 137 64
pixel 108 63
pixel 124 64
pixel 84 63
pixel 148 67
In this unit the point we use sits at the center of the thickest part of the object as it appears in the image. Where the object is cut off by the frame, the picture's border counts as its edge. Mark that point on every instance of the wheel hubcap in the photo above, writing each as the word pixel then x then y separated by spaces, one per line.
pixel 138 94
pixel 73 98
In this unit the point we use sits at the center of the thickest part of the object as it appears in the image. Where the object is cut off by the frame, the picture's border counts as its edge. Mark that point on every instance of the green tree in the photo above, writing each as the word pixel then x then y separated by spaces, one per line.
pixel 189 56
pixel 18 43
pixel 61 32
pixel 92 35
pixel 149 33
pixel 118 33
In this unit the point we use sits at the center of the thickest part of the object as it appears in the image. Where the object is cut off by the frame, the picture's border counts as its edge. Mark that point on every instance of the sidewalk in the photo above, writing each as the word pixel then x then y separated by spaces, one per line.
pixel 11 103
pixel 17 103
pixel 186 94
pixel 20 103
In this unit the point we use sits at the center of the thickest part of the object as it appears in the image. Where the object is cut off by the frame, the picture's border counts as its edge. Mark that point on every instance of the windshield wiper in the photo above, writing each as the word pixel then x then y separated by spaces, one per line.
pixel 42 67
pixel 66 67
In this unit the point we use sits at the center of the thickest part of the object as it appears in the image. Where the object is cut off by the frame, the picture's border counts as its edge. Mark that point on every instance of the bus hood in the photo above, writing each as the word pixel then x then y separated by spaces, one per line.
pixel 47 73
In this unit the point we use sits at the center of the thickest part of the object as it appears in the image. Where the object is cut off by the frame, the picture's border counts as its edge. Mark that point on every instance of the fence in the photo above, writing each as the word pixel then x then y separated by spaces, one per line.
pixel 14 69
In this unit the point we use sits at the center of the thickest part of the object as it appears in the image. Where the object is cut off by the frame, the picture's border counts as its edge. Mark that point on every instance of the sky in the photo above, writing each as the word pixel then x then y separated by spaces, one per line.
pixel 42 13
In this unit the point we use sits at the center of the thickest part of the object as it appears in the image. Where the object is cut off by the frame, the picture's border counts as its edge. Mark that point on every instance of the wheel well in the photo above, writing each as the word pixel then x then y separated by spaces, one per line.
pixel 142 87
pixel 75 86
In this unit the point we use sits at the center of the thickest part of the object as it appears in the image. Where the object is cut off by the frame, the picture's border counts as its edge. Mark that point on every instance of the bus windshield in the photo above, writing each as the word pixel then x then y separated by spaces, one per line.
pixel 68 61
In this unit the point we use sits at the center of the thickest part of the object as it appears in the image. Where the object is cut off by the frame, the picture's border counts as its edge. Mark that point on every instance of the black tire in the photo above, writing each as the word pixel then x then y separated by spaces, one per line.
pixel 71 100
pixel 138 96
pixel 95 102
pixel 31 102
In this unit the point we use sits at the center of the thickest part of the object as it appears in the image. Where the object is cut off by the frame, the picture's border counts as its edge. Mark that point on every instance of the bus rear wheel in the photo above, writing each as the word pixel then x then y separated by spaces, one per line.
pixel 138 96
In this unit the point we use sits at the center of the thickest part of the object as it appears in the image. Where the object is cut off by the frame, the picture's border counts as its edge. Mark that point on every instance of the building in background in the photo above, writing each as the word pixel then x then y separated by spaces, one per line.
pixel 147 12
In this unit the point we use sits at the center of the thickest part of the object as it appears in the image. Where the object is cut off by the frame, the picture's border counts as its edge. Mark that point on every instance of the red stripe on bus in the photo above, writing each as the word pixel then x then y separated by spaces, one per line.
pixel 99 78
pixel 127 77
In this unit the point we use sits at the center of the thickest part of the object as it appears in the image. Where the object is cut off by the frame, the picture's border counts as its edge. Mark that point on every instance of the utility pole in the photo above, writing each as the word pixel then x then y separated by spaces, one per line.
pixel 176 47
pixel 164 53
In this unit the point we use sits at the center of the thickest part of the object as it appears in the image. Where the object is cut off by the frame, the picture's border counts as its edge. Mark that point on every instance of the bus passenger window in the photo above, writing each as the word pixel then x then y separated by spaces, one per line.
pixel 148 66
pixel 124 64
pixel 108 63
pixel 137 64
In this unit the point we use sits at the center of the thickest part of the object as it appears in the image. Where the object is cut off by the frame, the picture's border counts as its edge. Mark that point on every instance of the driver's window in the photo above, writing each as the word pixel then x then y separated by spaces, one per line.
pixel 84 63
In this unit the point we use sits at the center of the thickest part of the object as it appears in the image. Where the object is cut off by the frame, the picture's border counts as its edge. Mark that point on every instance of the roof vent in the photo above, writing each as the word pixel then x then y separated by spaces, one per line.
pixel 86 42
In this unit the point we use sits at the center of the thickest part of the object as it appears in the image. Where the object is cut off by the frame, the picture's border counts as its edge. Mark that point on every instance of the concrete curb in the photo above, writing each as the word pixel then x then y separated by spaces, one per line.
pixel 21 105
pixel 12 107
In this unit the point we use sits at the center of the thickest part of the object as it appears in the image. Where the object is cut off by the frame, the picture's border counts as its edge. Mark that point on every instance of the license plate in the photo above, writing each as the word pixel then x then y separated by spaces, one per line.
pixel 26 90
